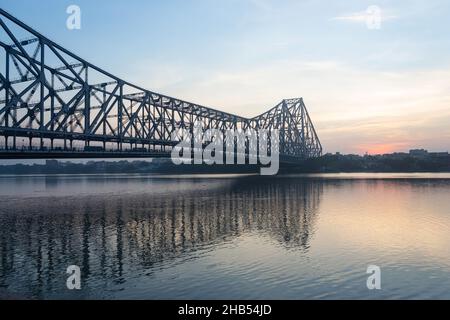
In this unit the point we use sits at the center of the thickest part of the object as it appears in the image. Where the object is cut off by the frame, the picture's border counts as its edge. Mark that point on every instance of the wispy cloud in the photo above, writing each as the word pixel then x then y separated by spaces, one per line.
pixel 367 15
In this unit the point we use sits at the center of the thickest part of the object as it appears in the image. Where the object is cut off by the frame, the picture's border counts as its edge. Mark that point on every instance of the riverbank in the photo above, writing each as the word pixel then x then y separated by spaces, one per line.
pixel 329 163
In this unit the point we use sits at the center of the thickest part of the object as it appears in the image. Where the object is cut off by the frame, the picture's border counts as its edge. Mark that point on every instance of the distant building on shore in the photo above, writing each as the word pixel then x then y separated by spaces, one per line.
pixel 418 153
pixel 422 153
pixel 439 154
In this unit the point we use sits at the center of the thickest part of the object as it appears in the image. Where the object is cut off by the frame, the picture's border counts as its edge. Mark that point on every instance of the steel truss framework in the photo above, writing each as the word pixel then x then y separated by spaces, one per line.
pixel 51 99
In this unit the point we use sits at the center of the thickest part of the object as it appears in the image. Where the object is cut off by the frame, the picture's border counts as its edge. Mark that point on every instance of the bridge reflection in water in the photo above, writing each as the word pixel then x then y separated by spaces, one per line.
pixel 123 228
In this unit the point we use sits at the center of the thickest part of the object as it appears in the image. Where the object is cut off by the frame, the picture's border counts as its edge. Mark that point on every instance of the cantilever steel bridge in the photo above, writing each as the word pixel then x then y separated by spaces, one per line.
pixel 53 104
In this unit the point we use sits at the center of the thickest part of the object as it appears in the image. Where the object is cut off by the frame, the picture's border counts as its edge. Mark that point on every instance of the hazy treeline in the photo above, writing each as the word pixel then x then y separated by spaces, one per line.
pixel 327 163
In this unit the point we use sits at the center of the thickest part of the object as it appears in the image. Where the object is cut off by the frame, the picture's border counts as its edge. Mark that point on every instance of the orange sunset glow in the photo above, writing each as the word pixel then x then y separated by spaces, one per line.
pixel 382 148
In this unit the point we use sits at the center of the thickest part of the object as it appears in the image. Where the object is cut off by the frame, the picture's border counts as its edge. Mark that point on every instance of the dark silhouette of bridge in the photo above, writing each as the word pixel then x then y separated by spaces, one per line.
pixel 54 104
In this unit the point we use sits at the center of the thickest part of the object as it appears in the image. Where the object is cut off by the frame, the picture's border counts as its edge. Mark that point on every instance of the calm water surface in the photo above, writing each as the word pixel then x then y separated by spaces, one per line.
pixel 230 237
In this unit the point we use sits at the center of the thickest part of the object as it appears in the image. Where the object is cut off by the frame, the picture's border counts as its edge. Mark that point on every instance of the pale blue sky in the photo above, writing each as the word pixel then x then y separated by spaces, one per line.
pixel 366 90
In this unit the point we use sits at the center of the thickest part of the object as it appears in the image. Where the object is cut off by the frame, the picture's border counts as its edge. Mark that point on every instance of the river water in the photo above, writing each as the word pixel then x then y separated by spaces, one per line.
pixel 225 236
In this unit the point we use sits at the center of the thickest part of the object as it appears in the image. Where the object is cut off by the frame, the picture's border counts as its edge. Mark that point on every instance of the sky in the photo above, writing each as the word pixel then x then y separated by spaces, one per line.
pixel 374 75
